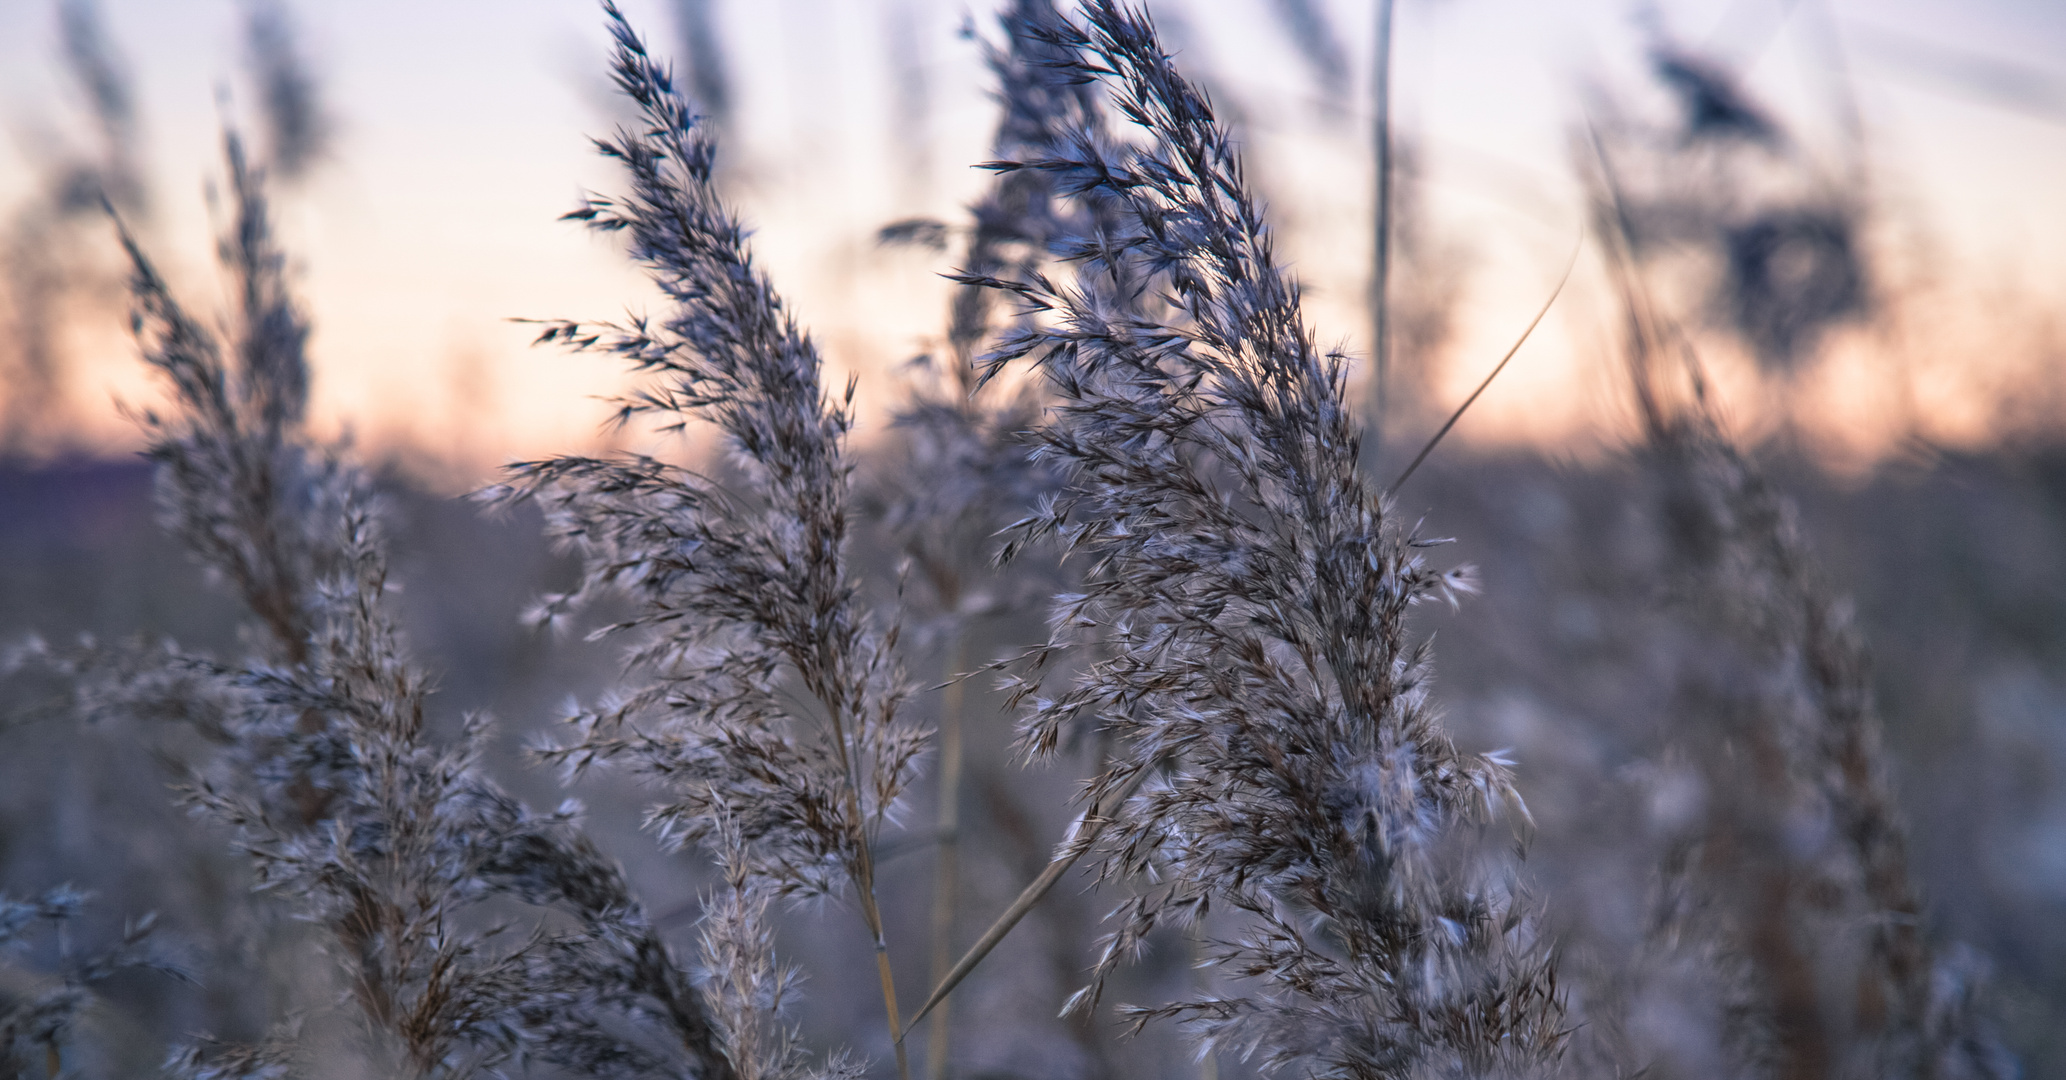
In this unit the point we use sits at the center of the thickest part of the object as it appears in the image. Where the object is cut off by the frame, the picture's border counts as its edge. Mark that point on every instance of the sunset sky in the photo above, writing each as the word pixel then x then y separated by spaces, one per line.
pixel 460 138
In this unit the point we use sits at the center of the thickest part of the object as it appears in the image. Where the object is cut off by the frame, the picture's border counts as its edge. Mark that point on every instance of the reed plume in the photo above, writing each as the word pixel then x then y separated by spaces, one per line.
pixel 772 696
pixel 325 767
pixel 1242 629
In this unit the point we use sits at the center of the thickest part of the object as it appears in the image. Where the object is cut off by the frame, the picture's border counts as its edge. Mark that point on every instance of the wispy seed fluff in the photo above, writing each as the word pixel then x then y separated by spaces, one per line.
pixel 1240 637
pixel 771 698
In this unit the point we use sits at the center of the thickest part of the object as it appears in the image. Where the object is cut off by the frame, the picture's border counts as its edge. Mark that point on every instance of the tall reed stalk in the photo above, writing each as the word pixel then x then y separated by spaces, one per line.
pixel 1381 230
pixel 965 468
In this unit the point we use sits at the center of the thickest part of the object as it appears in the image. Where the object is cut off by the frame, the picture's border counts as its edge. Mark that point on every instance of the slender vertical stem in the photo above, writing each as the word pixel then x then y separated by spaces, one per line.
pixel 1648 339
pixel 947 870
pixel 872 915
pixel 889 990
pixel 1381 261
pixel 863 870
pixel 1081 834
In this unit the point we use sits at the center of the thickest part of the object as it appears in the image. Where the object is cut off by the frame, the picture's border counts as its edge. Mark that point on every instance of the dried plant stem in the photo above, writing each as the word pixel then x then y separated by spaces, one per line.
pixel 864 880
pixel 1646 338
pixel 889 982
pixel 1496 369
pixel 947 867
pixel 1026 901
pixel 1080 838
pixel 1381 261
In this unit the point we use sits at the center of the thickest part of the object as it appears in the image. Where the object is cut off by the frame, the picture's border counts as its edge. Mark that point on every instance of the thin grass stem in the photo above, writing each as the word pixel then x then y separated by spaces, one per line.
pixel 1087 830
pixel 1496 369
pixel 947 868
pixel 1381 256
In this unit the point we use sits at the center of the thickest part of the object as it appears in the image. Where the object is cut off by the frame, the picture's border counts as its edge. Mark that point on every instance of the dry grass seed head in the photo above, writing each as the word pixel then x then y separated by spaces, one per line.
pixel 1242 626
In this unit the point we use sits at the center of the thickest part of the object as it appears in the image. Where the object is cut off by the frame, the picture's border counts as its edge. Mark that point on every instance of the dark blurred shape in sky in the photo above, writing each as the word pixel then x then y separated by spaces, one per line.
pixel 700 64
pixel 297 127
pixel 1714 102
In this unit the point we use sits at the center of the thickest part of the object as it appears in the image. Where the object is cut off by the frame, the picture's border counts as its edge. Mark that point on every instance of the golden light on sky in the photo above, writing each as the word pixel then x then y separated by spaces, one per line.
pixel 460 136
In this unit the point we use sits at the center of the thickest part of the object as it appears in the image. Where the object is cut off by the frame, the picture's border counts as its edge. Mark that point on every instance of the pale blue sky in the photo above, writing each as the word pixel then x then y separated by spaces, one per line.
pixel 461 137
